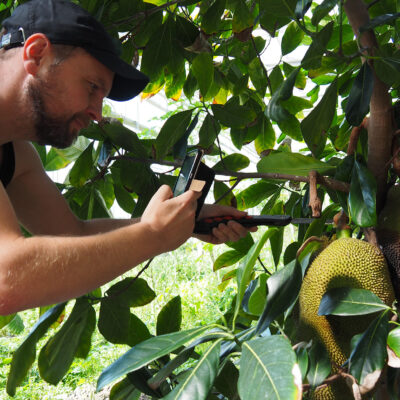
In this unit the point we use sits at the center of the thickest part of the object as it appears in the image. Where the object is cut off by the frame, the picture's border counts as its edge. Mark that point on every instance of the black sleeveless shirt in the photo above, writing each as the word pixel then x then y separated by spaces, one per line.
pixel 7 166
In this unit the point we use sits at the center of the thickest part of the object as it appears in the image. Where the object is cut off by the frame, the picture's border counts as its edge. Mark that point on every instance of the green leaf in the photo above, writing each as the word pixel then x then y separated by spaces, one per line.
pixel 85 341
pixel 208 131
pixel 57 354
pixel 125 138
pixel 169 318
pixel 124 390
pixel 233 115
pixel 393 341
pixel 360 95
pixel 172 130
pixel 246 266
pixel 362 197
pixel 232 162
pixel 242 18
pixel 378 21
pixel 320 365
pixel 131 292
pixel 369 354
pixel 226 259
pixel 200 379
pixel 267 370
pixel 211 20
pixel 25 355
pixel 349 301
pixel 316 125
pixel 203 70
pixel 5 319
pixel 291 38
pixel 226 381
pixel 301 8
pixel 322 10
pixel 266 139
pixel 255 194
pixel 82 168
pixel 157 51
pixel 312 58
pixel 283 288
pixel 146 352
pixel 274 110
pixel 292 164
pixel 255 295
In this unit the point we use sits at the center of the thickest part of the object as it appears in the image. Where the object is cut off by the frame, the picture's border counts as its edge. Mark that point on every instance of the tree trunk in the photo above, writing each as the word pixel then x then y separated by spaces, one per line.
pixel 380 127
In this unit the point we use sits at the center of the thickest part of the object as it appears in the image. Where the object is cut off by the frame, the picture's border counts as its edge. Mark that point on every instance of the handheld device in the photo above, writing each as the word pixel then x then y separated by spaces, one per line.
pixel 194 175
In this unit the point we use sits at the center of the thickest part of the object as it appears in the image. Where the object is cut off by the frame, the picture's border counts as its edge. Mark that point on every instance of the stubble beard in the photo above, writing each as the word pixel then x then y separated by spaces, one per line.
pixel 49 130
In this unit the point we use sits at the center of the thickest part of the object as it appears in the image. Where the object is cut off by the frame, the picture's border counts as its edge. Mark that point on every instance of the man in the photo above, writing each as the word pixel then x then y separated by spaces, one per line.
pixel 57 64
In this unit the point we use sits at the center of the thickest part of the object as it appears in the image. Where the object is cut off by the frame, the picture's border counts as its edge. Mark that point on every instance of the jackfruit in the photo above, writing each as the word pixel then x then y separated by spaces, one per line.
pixel 346 262
pixel 388 232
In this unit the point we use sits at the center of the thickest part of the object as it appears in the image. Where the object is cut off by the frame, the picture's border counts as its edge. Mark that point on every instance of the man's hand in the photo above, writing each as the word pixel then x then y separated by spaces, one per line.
pixel 230 232
pixel 170 218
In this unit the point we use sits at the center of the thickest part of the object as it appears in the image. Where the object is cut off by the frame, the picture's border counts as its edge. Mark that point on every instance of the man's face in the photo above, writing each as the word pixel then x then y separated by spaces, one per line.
pixel 67 98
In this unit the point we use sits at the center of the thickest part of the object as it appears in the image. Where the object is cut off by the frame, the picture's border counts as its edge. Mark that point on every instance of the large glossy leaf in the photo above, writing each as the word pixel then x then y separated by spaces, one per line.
pixel 232 162
pixel 301 8
pixel 57 354
pixel 25 355
pixel 350 301
pixel 82 168
pixel 233 115
pixel 203 70
pixel 131 292
pixel 292 164
pixel 362 197
pixel 125 138
pixel 283 288
pixel 360 95
pixel 208 131
pixel 266 139
pixel 172 130
pixel 226 381
pixel 145 352
pixel 369 354
pixel 381 20
pixel 158 50
pixel 124 390
pixel 292 38
pixel 322 10
pixel 393 341
pixel 118 325
pixel 315 126
pixel 211 20
pixel 200 379
pixel 255 194
pixel 320 365
pixel 170 317
pixel 268 370
pixel 312 58
pixel 246 266
pixel 255 295
pixel 274 110
pixel 226 259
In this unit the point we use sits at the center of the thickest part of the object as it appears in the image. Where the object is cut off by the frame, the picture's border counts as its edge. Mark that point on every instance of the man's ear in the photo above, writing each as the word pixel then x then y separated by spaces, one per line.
pixel 36 48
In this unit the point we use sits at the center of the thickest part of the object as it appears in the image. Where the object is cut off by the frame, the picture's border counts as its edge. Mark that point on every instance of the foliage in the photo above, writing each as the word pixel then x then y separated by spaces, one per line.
pixel 211 54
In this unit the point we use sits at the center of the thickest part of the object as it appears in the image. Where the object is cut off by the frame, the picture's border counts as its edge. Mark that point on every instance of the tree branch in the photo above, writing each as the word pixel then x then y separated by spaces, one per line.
pixel 322 180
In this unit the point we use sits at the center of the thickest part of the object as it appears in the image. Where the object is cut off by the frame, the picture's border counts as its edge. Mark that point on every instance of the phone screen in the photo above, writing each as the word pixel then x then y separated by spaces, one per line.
pixel 188 171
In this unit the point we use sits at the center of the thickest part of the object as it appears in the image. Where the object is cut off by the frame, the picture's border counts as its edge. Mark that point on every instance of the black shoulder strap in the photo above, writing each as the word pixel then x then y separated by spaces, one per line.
pixel 7 167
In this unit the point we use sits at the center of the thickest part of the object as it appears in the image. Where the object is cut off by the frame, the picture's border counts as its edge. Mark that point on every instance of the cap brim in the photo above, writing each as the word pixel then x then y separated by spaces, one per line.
pixel 128 81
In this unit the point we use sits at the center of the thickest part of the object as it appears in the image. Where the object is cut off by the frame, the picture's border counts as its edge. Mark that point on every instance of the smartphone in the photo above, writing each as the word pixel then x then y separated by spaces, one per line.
pixel 188 171
pixel 193 171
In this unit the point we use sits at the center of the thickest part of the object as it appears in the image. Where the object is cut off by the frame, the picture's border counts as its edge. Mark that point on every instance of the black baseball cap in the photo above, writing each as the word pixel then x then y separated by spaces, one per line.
pixel 64 22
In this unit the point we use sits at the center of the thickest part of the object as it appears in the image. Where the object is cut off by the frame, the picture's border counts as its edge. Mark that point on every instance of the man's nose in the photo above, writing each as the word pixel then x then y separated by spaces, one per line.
pixel 95 109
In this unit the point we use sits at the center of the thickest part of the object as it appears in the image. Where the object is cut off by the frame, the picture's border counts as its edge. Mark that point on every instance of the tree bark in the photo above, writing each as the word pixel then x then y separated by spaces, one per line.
pixel 380 127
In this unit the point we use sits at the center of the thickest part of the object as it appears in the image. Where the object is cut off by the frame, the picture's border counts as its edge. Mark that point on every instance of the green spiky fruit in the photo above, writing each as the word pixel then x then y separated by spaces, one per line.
pixel 346 262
